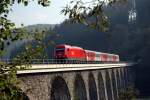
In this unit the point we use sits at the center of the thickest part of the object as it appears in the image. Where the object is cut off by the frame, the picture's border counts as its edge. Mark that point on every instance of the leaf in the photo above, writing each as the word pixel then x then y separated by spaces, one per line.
pixel 25 3
pixel 19 1
pixel 5 15
pixel 71 1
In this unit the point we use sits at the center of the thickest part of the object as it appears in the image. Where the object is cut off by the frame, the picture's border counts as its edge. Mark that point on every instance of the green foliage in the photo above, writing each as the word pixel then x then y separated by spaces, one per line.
pixel 90 14
pixel 9 89
pixel 128 93
pixel 8 81
pixel 6 26
pixel 36 48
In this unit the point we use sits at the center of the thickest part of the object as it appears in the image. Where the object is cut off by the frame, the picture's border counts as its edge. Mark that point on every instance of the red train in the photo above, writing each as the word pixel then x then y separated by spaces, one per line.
pixel 64 51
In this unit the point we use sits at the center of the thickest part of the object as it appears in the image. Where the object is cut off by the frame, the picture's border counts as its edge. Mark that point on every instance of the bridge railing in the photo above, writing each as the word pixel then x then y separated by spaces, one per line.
pixel 54 61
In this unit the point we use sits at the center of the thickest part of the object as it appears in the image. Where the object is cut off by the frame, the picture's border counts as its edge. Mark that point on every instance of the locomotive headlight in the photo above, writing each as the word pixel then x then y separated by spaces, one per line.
pixel 72 53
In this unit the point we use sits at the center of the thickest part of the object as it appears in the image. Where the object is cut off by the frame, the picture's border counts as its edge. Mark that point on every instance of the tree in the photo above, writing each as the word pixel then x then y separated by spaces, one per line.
pixel 9 89
pixel 128 93
pixel 90 13
pixel 6 25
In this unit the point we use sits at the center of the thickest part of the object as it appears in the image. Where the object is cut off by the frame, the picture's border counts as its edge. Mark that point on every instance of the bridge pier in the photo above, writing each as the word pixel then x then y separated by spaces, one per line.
pixel 85 86
pixel 70 83
pixel 96 75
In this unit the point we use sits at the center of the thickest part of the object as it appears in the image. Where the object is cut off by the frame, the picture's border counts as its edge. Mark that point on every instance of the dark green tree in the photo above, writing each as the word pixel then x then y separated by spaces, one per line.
pixel 128 93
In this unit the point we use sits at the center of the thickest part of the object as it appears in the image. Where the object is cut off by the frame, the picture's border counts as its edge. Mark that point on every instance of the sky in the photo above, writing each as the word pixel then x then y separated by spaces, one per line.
pixel 36 14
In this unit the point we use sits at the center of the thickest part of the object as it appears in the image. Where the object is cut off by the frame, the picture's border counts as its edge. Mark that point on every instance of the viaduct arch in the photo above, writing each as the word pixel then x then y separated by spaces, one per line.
pixel 60 89
pixel 79 88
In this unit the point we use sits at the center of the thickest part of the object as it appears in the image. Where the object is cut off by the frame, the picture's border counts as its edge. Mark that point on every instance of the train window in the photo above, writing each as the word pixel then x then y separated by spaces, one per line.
pixel 60 50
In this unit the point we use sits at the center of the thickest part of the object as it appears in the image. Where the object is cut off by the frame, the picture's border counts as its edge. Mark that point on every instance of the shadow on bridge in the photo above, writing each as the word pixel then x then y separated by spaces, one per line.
pixel 79 89
pixel 92 88
pixel 59 90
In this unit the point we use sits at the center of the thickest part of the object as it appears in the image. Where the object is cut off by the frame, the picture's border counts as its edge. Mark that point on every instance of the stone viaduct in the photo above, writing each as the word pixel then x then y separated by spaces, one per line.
pixel 94 84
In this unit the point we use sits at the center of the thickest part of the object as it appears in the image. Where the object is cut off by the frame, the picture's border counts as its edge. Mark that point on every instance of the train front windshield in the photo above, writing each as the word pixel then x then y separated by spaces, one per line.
pixel 60 53
pixel 62 50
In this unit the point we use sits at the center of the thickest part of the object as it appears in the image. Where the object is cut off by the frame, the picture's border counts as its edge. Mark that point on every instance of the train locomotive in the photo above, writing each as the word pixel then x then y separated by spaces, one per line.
pixel 69 52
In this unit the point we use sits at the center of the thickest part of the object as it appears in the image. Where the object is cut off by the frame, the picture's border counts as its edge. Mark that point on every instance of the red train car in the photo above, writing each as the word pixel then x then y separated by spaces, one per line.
pixel 77 53
pixel 90 55
pixel 69 52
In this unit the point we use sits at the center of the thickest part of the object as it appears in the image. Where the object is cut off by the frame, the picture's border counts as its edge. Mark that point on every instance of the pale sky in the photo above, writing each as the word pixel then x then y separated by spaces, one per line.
pixel 36 14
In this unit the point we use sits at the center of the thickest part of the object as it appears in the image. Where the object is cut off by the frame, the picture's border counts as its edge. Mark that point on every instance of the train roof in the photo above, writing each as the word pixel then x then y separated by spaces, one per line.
pixel 101 52
pixel 69 46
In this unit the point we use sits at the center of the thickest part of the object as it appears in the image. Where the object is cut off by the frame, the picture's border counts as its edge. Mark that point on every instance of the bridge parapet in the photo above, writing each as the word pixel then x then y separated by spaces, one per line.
pixel 41 68
pixel 59 61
